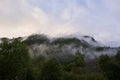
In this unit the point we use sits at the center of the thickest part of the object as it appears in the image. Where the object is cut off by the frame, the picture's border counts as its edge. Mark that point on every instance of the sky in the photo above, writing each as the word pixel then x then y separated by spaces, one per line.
pixel 97 18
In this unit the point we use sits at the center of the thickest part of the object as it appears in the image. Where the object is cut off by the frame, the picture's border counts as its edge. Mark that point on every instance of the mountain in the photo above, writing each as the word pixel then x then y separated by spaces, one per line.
pixel 64 48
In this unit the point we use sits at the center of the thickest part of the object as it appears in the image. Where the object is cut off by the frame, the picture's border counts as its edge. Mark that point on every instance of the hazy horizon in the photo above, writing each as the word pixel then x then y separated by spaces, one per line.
pixel 96 18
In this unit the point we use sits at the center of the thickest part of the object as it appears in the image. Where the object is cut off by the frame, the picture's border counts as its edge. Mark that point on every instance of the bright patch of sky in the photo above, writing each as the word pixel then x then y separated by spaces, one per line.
pixel 97 18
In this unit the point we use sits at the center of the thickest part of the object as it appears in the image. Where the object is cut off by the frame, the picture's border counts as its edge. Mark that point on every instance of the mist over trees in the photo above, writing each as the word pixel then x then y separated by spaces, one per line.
pixel 16 62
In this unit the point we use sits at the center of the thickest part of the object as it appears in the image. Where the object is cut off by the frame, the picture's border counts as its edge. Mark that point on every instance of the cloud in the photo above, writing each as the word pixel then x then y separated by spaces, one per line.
pixel 18 18
pixel 97 18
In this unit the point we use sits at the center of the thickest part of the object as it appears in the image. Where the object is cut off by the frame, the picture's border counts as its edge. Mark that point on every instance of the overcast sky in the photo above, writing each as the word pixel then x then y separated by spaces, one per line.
pixel 97 18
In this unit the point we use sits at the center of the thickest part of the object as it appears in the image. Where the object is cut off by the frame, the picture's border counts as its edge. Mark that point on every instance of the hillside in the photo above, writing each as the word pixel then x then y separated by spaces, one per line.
pixel 65 58
pixel 64 48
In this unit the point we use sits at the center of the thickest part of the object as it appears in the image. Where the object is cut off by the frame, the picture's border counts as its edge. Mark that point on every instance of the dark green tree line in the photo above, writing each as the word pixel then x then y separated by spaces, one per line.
pixel 14 61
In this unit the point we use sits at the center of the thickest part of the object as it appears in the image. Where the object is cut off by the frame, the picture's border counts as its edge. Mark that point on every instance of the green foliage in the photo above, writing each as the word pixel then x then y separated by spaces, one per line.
pixel 36 39
pixel 87 76
pixel 66 41
pixel 99 48
pixel 79 61
pixel 117 57
pixel 76 67
pixel 70 76
pixel 14 61
pixel 51 70
pixel 103 61
pixel 109 68
pixel 36 65
pixel 39 60
pixel 92 76
pixel 30 75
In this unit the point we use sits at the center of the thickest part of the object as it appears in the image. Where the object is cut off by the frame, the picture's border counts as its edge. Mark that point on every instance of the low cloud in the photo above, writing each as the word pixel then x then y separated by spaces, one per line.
pixel 99 18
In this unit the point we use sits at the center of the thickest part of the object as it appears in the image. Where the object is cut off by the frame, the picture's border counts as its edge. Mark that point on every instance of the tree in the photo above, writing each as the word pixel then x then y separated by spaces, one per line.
pixel 79 61
pixel 79 64
pixel 117 57
pixel 104 62
pixel 36 39
pixel 109 68
pixel 30 75
pixel 14 60
pixel 51 70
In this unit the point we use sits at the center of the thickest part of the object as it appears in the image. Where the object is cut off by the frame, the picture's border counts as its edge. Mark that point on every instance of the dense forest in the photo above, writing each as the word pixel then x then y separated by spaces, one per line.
pixel 17 64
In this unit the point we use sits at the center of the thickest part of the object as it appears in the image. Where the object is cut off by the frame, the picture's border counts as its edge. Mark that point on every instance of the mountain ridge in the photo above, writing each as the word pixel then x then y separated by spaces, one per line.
pixel 64 47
